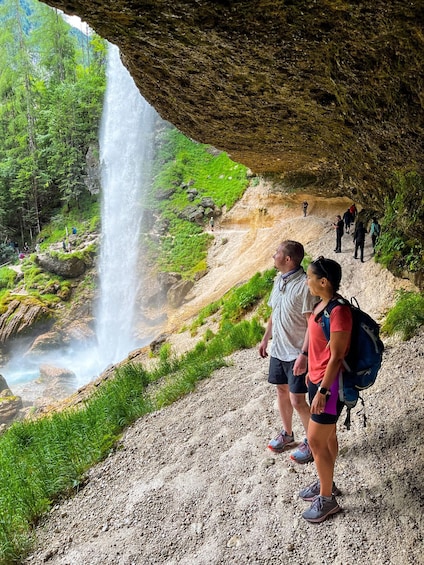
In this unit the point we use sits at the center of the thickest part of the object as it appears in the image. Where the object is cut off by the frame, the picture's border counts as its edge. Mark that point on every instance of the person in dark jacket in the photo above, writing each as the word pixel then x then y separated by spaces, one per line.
pixel 338 225
pixel 347 218
pixel 359 239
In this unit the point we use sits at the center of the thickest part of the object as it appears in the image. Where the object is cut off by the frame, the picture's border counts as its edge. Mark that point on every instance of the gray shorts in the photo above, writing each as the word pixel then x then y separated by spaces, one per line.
pixel 281 373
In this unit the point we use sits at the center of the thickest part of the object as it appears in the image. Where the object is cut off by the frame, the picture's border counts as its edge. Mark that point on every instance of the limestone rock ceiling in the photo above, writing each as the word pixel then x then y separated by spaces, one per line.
pixel 325 95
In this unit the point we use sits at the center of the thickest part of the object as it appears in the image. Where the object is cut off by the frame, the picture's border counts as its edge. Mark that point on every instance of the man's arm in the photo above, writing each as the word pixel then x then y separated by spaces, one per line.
pixel 264 343
pixel 300 366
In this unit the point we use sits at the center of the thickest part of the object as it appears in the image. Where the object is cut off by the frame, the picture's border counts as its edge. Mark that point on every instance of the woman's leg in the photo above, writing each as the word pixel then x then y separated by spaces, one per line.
pixel 322 440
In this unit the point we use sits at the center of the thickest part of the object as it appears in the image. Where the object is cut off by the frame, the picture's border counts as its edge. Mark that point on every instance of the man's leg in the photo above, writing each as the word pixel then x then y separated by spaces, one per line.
pixel 298 401
pixel 298 390
pixel 278 376
pixel 285 408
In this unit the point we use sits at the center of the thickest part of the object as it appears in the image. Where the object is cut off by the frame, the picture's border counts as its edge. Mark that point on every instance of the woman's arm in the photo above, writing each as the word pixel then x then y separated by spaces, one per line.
pixel 338 345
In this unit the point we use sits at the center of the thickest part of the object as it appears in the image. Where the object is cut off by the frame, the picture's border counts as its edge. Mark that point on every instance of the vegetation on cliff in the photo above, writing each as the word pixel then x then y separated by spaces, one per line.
pixel 51 94
pixel 189 177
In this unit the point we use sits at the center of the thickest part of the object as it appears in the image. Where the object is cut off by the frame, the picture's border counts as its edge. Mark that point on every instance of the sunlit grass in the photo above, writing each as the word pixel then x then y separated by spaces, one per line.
pixel 181 164
pixel 407 315
pixel 45 459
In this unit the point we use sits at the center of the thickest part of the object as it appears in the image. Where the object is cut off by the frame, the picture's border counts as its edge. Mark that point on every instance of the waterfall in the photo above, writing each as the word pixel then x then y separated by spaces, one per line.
pixel 126 150
pixel 125 158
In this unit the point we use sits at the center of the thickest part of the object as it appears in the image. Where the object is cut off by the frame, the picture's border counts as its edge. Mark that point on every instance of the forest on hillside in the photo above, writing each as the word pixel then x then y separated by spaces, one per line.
pixel 52 81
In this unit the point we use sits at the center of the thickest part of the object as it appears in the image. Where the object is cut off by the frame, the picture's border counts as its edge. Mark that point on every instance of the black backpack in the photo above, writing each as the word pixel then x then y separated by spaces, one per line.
pixel 363 361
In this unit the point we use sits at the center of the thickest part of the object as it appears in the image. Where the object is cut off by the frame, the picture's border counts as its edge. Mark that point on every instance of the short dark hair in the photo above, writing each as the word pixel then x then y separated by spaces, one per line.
pixel 329 269
pixel 294 250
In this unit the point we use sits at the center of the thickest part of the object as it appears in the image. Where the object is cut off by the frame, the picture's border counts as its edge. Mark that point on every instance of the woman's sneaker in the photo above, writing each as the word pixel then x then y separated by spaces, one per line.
pixel 310 492
pixel 281 442
pixel 321 508
pixel 303 453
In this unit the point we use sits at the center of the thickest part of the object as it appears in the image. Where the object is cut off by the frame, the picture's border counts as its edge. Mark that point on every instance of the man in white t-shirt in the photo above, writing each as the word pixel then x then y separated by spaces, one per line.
pixel 291 304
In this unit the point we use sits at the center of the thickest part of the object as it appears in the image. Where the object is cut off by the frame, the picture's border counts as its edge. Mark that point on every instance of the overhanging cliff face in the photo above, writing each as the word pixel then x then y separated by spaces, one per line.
pixel 323 95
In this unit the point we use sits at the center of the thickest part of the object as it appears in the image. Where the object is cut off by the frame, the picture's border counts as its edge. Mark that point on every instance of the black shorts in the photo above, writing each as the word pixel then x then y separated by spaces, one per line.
pixel 281 373
pixel 323 418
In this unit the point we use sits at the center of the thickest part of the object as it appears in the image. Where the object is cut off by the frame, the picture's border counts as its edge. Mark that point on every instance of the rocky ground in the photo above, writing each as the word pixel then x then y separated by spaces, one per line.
pixel 194 484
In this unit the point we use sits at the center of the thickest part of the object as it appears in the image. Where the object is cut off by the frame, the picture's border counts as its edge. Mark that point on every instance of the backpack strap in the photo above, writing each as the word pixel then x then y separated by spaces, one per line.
pixel 324 315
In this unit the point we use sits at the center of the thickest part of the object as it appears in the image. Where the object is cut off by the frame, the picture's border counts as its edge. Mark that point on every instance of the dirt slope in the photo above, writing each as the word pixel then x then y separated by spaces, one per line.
pixel 194 483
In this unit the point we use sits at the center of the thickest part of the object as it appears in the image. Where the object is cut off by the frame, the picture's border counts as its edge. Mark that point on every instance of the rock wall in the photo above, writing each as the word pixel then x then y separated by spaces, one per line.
pixel 323 95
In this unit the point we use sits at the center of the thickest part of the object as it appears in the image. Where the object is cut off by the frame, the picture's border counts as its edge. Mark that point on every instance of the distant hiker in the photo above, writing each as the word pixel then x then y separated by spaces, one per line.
pixel 211 222
pixel 64 246
pixel 338 225
pixel 347 218
pixel 74 231
pixel 305 207
pixel 359 239
pixel 291 304
pixel 374 232
pixel 353 210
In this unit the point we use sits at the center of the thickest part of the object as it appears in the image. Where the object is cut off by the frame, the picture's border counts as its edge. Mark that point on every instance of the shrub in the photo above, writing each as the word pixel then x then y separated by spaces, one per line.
pixel 407 316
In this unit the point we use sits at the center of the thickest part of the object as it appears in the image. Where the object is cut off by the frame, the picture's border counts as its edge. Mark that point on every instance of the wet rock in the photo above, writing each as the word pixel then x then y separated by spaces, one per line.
pixel 20 317
pixel 9 403
pixel 166 280
pixel 51 372
pixel 178 292
pixel 59 382
pixel 157 343
pixel 78 331
pixel 46 342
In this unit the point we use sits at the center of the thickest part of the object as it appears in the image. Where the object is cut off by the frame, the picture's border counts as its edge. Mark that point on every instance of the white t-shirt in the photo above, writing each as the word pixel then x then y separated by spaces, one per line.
pixel 290 300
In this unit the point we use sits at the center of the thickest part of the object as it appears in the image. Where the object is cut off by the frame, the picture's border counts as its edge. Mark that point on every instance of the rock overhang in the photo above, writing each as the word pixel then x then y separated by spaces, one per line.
pixel 323 95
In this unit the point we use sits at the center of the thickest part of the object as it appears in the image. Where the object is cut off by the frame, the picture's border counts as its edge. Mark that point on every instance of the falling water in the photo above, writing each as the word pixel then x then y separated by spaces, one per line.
pixel 125 157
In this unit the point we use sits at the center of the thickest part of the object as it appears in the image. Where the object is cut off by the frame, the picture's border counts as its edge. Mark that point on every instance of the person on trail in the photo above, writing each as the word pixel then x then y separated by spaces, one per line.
pixel 211 222
pixel 375 230
pixel 354 211
pixel 359 239
pixel 305 208
pixel 325 360
pixel 291 304
pixel 338 225
pixel 347 218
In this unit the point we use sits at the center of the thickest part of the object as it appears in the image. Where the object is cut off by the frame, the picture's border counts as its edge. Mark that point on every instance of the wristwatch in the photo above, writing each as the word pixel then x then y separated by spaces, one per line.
pixel 324 391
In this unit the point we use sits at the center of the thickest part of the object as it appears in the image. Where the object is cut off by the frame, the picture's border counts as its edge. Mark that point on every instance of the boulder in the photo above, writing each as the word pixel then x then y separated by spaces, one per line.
pixel 166 280
pixel 20 317
pixel 178 292
pixel 164 193
pixel 157 343
pixel 9 403
pixel 59 382
pixel 78 331
pixel 46 342
pixel 49 373
pixel 9 407
pixel 69 267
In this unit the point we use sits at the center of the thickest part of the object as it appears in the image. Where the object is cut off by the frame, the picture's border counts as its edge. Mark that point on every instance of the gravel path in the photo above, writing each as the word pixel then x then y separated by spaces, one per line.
pixel 194 484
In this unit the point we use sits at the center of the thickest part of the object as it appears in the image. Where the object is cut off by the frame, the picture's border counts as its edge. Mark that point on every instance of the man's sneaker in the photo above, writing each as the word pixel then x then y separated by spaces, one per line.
pixel 310 492
pixel 320 509
pixel 281 442
pixel 303 453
